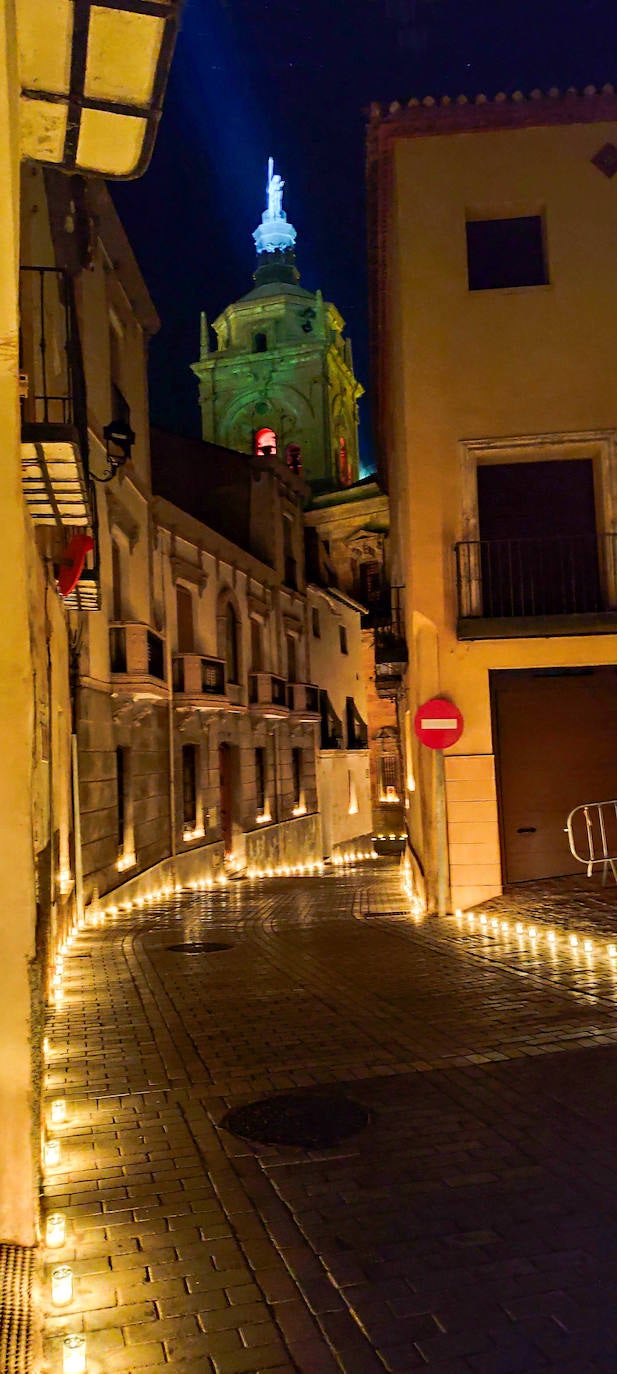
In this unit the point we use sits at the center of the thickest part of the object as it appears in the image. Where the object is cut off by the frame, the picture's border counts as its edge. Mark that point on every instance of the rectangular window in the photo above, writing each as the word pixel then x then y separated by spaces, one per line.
pixel 260 781
pixel 189 785
pixel 506 253
pixel 257 658
pixel 296 771
pixel 343 639
pixel 184 617
pixel 316 625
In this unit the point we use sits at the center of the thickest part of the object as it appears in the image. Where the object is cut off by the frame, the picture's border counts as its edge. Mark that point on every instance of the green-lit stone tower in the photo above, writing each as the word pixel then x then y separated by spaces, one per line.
pixel 281 375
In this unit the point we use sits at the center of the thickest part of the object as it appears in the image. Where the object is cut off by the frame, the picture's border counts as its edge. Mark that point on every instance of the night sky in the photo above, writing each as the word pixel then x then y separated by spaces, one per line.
pixel 293 79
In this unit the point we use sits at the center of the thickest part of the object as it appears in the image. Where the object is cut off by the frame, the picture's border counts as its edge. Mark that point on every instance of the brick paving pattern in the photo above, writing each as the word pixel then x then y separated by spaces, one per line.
pixel 469 1229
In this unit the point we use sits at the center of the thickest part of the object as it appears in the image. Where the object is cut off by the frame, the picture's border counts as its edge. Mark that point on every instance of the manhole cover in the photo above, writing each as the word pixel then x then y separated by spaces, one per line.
pixel 199 947
pixel 308 1121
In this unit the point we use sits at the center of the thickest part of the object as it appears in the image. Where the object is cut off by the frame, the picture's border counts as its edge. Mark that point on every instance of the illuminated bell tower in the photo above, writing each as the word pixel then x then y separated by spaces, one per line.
pixel 281 376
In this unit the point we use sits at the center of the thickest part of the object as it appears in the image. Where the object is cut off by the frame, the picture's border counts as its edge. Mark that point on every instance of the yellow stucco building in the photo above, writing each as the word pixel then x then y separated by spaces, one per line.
pixel 494 300
pixel 84 96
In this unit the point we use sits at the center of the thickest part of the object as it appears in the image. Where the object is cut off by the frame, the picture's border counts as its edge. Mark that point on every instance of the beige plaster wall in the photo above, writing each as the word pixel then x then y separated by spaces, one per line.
pixel 482 365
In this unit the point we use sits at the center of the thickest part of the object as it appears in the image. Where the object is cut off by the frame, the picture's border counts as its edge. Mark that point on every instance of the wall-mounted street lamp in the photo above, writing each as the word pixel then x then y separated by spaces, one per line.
pixel 119 439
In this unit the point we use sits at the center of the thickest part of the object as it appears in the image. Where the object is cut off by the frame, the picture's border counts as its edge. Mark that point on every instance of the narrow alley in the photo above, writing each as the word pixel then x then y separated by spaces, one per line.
pixel 454 1204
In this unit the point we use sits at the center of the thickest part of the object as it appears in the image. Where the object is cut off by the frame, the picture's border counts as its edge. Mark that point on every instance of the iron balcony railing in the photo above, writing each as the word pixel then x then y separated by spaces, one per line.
pixel 136 649
pixel 196 675
pixel 331 725
pixel 558 575
pixel 357 731
pixel 303 696
pixel 388 624
pixel 267 689
pixel 50 356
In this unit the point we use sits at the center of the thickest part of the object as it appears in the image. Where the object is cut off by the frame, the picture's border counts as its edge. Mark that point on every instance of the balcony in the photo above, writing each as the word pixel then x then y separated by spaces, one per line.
pixel 391 657
pixel 54 432
pixel 137 662
pixel 268 695
pixel 331 725
pixel 509 588
pixel 199 683
pixel 303 701
pixel 357 731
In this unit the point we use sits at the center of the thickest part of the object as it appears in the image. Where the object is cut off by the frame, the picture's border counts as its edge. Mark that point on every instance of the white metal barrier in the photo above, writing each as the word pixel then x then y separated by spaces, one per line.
pixel 593 826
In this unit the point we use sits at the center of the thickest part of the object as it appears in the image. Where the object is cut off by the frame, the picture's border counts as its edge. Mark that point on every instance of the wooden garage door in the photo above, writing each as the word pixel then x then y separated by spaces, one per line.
pixel 556 746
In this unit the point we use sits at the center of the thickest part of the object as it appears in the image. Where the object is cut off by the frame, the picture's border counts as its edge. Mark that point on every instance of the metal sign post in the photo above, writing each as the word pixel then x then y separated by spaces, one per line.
pixel 439 724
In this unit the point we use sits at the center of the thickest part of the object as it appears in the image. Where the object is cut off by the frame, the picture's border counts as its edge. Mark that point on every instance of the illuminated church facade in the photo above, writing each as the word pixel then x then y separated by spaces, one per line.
pixel 281 378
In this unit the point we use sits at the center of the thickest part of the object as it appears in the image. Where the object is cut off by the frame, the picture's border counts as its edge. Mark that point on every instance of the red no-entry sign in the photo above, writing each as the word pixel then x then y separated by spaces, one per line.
pixel 438 723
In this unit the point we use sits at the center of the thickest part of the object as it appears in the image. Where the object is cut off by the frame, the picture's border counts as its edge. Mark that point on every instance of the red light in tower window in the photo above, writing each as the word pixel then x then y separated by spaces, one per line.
pixel 265 443
pixel 344 471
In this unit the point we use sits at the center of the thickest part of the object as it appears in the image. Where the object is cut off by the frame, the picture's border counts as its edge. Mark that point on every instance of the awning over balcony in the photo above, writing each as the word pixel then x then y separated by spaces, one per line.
pixel 93 78
pixel 53 477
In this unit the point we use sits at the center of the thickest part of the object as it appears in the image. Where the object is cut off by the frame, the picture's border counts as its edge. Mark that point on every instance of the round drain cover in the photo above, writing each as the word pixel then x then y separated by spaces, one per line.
pixel 199 947
pixel 307 1120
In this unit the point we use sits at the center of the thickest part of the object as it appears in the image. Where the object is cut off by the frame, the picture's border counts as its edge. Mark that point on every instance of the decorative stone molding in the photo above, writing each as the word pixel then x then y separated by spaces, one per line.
pixel 122 519
pixel 257 609
pixel 183 571
pixel 366 546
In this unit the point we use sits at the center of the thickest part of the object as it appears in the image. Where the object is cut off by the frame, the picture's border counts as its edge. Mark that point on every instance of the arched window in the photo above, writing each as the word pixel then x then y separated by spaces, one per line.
pixel 260 343
pixel 265 443
pixel 231 644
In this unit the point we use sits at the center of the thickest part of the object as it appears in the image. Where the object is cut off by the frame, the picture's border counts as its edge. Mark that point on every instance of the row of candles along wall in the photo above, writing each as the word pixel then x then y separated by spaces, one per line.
pixel 74 1346
pixel 496 925
pixel 97 915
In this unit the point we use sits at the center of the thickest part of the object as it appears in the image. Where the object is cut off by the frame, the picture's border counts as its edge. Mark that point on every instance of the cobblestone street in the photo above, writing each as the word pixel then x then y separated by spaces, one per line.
pixel 470 1227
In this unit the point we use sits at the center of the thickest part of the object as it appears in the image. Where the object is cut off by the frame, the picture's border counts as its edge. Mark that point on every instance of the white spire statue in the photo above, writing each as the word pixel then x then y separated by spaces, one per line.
pixel 274 232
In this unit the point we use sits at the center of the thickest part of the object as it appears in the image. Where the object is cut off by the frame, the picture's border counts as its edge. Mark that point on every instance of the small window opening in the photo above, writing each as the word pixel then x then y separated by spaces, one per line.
pixel 506 253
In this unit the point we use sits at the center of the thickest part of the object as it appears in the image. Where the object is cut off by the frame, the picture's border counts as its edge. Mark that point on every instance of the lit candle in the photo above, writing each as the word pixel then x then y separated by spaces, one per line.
pixel 61 1285
pixel 74 1355
pixel 58 1111
pixel 55 1230
pixel 52 1153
